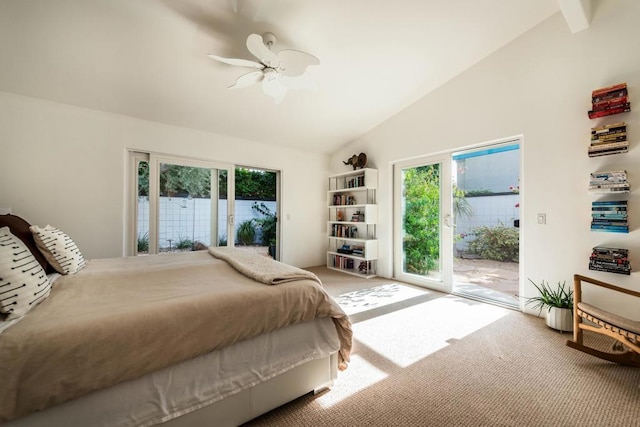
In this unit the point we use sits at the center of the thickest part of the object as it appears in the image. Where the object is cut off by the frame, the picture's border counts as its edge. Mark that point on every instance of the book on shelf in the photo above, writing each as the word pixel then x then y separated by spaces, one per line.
pixel 608 146
pixel 608 152
pixel 612 260
pixel 619 102
pixel 612 98
pixel 610 190
pixel 606 184
pixel 609 175
pixel 343 262
pixel 608 137
pixel 608 89
pixel 608 179
pixel 355 181
pixel 609 134
pixel 604 203
pixel 610 229
pixel 604 251
pixel 608 128
pixel 608 140
pixel 611 209
pixel 611 223
pixel 344 231
pixel 609 216
pixel 343 200
pixel 607 101
pixel 602 218
pixel 608 111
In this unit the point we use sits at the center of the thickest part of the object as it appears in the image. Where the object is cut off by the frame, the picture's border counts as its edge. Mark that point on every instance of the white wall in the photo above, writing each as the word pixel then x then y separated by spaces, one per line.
pixel 57 159
pixel 538 86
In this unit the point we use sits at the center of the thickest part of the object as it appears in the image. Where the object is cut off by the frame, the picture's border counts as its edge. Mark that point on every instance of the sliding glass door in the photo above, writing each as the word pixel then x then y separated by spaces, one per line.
pixel 487 217
pixel 456 222
pixel 257 211
pixel 422 222
pixel 180 204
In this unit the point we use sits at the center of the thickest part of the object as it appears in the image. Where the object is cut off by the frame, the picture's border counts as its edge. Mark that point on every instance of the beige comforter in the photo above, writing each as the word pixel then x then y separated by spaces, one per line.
pixel 122 318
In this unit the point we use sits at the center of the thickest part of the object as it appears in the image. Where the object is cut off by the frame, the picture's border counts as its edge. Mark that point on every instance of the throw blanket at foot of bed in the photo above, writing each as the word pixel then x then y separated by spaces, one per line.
pixel 270 272
pixel 260 268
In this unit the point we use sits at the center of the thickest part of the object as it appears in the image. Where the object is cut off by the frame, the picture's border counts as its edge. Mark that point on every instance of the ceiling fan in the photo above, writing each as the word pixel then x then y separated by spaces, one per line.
pixel 277 71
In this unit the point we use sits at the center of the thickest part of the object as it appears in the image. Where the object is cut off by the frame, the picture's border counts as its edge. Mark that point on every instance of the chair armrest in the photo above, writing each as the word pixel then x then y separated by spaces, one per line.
pixel 577 283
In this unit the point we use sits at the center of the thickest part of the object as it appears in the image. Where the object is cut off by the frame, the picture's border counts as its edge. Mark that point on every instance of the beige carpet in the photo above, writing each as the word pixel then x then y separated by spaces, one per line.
pixel 423 358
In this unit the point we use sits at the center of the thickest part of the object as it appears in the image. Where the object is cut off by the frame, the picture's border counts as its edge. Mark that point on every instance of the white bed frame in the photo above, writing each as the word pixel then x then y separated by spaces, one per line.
pixel 313 376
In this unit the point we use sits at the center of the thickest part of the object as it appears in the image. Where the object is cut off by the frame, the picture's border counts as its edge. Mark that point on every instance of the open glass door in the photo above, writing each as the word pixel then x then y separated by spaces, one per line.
pixel 422 222
pixel 486 208
pixel 256 210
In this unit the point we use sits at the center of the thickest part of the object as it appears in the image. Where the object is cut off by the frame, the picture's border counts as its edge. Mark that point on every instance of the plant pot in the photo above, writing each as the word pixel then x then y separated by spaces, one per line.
pixel 560 319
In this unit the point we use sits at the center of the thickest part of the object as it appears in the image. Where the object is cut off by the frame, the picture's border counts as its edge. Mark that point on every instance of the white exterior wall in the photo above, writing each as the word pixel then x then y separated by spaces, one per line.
pixel 178 220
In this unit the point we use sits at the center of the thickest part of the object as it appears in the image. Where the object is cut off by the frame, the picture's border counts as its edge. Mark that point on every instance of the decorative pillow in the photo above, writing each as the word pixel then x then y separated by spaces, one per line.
pixel 58 248
pixel 23 281
pixel 20 228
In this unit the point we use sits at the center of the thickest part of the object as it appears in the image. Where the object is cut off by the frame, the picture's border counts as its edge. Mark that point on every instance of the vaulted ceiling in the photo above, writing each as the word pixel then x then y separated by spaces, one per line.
pixel 148 58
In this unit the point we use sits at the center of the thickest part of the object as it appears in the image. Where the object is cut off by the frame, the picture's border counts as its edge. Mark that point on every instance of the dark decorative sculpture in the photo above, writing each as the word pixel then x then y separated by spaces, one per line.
pixel 357 161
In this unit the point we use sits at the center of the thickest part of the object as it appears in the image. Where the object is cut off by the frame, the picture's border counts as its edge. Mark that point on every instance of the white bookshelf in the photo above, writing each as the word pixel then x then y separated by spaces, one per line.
pixel 353 217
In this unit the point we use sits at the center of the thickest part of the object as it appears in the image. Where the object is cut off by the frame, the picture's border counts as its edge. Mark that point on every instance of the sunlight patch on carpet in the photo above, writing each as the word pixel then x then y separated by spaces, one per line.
pixel 410 334
pixel 357 377
pixel 378 296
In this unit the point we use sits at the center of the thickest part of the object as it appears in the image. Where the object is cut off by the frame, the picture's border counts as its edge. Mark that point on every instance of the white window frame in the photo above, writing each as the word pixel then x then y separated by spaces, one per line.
pixel 154 160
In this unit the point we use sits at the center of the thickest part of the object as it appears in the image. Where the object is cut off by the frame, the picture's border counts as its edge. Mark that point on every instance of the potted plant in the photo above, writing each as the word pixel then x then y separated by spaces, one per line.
pixel 559 304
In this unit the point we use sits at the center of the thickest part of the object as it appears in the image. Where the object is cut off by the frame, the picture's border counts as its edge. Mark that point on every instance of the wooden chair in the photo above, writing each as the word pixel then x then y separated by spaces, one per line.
pixel 624 331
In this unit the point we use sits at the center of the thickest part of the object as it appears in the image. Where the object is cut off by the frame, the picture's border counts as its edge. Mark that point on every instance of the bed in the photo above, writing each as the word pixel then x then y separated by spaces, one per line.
pixel 215 337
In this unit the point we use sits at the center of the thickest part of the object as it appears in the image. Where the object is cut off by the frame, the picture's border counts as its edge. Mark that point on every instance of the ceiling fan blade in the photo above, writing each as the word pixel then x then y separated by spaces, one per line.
pixel 295 62
pixel 247 79
pixel 237 61
pixel 256 46
pixel 274 89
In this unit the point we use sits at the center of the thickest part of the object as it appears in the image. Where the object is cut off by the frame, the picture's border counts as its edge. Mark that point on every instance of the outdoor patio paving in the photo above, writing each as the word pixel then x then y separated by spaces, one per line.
pixel 487 280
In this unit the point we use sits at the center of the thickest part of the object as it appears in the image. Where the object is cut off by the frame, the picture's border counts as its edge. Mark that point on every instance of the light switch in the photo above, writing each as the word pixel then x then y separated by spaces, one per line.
pixel 542 218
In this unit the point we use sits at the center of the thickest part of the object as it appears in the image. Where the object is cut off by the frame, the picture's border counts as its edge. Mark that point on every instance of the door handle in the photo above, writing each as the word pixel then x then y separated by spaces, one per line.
pixel 448 221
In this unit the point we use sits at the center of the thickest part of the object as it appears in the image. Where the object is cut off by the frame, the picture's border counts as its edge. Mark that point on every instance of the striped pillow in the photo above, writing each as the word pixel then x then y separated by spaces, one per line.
pixel 58 248
pixel 23 282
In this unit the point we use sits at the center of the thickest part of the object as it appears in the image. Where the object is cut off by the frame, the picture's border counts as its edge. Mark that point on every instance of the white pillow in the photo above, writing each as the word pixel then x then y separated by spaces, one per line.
pixel 58 248
pixel 23 281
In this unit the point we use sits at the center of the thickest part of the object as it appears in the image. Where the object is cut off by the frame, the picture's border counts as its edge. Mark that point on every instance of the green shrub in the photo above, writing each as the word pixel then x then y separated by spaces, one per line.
pixel 184 243
pixel 143 242
pixel 499 243
pixel 267 223
pixel 475 193
pixel 421 220
pixel 246 232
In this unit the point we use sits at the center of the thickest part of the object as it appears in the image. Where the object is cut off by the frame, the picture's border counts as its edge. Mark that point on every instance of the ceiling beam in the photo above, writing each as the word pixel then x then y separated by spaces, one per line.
pixel 577 13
